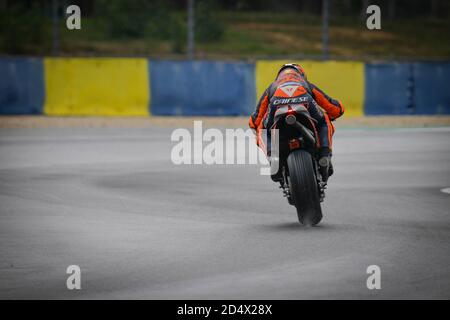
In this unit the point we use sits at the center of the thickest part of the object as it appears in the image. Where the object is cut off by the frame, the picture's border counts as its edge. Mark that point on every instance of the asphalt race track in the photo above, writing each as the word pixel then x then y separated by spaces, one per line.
pixel 111 201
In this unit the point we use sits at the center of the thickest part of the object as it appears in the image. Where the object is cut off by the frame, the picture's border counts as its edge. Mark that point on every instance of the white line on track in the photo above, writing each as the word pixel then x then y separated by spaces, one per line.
pixel 430 129
pixel 446 190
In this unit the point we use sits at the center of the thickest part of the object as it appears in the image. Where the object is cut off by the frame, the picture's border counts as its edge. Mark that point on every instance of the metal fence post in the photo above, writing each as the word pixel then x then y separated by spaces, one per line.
pixel 325 24
pixel 191 32
pixel 55 27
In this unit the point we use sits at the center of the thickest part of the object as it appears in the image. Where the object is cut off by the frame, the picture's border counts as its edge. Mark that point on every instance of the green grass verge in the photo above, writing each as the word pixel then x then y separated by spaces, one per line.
pixel 250 35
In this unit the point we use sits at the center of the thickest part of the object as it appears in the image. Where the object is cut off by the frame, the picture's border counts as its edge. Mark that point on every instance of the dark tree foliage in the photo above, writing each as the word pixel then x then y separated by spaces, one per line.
pixel 23 28
pixel 402 8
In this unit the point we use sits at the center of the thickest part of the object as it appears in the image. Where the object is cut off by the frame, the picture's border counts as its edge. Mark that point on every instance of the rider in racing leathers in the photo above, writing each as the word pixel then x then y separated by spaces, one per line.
pixel 291 82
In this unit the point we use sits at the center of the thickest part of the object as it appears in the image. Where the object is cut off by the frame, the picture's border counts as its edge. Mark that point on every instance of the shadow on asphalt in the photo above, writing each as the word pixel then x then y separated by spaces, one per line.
pixel 289 226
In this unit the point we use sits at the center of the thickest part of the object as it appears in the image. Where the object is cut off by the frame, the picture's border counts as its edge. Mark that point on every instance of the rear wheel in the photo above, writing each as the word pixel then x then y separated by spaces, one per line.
pixel 303 187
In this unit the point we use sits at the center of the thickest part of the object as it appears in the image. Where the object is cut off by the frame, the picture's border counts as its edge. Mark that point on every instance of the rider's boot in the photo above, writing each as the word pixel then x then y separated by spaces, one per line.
pixel 274 162
pixel 277 176
pixel 330 168
pixel 326 168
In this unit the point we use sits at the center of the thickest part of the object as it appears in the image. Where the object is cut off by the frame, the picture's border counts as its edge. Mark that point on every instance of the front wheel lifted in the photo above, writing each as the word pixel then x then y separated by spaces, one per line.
pixel 303 187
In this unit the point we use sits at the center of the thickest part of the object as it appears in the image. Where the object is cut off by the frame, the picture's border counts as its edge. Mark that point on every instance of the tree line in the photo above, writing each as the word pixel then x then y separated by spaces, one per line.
pixel 391 8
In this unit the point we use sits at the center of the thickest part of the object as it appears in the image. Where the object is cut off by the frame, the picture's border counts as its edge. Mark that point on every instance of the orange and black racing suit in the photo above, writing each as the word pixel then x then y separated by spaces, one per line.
pixel 287 87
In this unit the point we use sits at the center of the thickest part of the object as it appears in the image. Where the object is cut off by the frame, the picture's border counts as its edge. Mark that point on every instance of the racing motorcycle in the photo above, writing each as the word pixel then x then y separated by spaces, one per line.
pixel 302 178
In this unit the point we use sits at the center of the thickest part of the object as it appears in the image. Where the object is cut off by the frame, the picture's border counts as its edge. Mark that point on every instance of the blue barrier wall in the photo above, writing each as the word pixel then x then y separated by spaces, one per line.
pixel 388 89
pixel 201 88
pixel 407 88
pixel 431 88
pixel 21 86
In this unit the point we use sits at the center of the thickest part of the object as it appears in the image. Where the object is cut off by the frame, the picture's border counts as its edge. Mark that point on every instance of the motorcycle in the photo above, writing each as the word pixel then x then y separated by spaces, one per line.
pixel 301 177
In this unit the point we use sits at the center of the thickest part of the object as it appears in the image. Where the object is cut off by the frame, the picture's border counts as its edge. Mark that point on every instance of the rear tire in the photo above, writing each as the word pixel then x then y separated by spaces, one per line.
pixel 303 187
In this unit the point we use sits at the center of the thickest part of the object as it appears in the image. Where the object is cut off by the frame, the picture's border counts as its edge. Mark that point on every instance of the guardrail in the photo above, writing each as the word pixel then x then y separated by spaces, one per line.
pixel 142 87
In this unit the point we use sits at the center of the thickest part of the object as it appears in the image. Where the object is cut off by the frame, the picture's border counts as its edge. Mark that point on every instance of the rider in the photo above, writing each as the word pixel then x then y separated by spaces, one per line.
pixel 291 82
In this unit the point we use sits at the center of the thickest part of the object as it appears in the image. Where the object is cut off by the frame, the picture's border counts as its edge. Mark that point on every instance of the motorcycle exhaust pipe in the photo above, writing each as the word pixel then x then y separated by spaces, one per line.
pixel 292 121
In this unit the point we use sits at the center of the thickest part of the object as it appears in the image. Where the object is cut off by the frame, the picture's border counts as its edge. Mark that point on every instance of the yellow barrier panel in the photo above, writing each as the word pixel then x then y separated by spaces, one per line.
pixel 343 81
pixel 96 87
